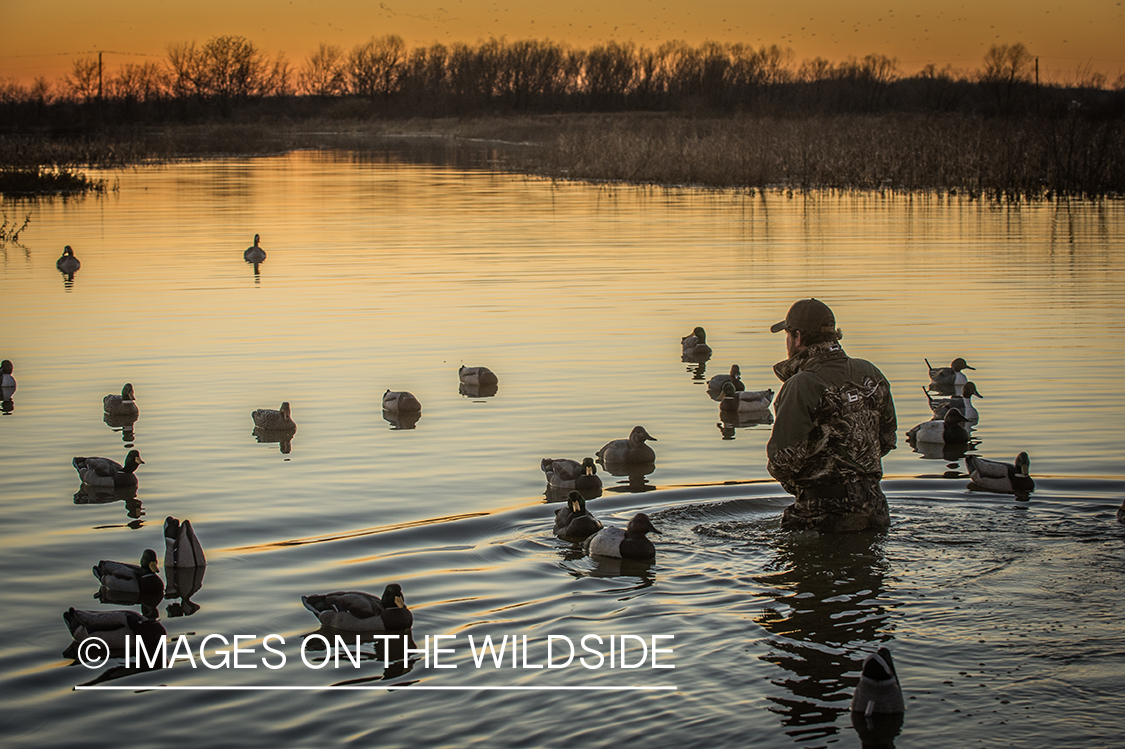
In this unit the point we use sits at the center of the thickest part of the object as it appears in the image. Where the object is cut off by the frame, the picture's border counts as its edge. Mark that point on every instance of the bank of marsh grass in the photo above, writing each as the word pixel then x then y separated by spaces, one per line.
pixel 1026 157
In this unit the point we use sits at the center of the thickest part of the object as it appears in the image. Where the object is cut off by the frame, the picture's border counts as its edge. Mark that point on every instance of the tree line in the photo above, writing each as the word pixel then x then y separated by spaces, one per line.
pixel 384 76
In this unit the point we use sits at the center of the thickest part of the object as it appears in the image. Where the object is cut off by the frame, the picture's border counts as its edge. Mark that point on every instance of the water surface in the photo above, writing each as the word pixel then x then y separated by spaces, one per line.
pixel 1003 615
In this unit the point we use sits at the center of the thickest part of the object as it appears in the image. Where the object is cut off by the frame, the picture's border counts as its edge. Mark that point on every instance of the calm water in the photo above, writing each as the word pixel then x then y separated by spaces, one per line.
pixel 1004 616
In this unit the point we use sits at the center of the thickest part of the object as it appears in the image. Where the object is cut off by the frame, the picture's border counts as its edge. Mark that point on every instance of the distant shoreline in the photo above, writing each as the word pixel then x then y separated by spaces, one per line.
pixel 1003 159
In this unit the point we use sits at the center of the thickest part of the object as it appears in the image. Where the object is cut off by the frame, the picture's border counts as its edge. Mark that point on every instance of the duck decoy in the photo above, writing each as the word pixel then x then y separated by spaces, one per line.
pixel 480 377
pixel 564 473
pixel 7 381
pixel 254 254
pixel 574 522
pixel 400 401
pixel 181 546
pixel 121 405
pixel 1006 478
pixel 962 402
pixel 746 402
pixel 112 627
pixel 715 384
pixel 274 420
pixel 628 543
pixel 951 379
pixel 950 430
pixel 354 611
pixel 878 691
pixel 630 450
pixel 67 262
pixel 131 578
pixel 108 473
pixel 695 346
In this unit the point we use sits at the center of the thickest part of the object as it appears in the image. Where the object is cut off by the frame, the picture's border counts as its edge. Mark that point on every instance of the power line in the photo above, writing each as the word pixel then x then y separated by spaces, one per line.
pixel 87 52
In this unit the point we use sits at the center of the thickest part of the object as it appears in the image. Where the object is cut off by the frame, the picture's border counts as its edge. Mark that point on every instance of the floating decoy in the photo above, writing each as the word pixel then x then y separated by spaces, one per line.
pixel 121 405
pixel 950 430
pixel 108 473
pixel 400 401
pixel 7 381
pixel 564 473
pixel 944 378
pixel 67 262
pixel 275 420
pixel 746 402
pixel 716 383
pixel 131 578
pixel 1006 478
pixel 630 450
pixel 695 345
pixel 477 376
pixel 574 522
pixel 878 691
pixel 362 612
pixel 182 547
pixel 112 627
pixel 630 543
pixel 962 402
pixel 254 254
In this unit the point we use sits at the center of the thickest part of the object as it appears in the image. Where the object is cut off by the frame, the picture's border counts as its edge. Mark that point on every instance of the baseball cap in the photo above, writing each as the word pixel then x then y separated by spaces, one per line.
pixel 808 316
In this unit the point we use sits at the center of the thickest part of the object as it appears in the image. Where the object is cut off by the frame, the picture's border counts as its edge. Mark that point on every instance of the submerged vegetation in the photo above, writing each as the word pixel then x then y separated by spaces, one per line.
pixel 723 115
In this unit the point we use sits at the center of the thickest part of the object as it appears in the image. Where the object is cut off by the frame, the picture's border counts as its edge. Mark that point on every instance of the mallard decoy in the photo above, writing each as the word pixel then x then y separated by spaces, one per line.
pixel 574 522
pixel 878 691
pixel 480 377
pixel 630 543
pixel 715 384
pixel 950 430
pixel 131 578
pixel 962 402
pixel 630 450
pixel 362 612
pixel 181 547
pixel 564 473
pixel 400 401
pixel 746 402
pixel 67 262
pixel 1006 478
pixel 112 627
pixel 108 473
pixel 121 405
pixel 275 420
pixel 944 378
pixel 7 380
pixel 254 254
pixel 695 345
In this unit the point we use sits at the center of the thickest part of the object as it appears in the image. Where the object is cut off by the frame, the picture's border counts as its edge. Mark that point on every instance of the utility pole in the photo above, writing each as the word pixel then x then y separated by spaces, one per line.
pixel 99 77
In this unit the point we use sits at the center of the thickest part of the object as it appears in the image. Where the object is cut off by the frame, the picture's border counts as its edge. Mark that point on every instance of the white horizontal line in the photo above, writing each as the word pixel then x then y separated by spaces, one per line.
pixel 166 687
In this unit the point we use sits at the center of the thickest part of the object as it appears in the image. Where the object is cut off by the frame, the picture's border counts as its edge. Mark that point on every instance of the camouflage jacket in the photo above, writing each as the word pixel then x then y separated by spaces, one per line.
pixel 834 422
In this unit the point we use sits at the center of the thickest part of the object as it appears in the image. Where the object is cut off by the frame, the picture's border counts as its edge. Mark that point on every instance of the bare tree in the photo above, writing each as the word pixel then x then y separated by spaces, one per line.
pixel 323 74
pixel 373 68
pixel 82 83
pixel 1006 68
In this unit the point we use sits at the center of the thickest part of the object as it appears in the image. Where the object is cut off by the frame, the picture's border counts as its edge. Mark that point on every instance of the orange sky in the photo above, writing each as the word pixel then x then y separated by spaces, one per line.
pixel 44 36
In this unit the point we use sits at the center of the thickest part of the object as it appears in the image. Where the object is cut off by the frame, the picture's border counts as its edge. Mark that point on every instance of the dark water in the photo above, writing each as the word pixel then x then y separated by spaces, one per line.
pixel 1003 615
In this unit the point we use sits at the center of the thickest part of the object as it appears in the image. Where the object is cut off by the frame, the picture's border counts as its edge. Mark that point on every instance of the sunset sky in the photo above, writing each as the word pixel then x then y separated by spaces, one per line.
pixel 44 37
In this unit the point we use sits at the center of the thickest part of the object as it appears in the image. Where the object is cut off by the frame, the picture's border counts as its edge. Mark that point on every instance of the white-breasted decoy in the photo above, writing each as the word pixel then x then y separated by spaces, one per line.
pixel 630 542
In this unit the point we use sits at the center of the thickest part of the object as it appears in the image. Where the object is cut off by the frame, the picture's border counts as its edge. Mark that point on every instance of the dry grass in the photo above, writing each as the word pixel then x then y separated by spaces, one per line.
pixel 993 157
